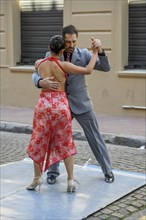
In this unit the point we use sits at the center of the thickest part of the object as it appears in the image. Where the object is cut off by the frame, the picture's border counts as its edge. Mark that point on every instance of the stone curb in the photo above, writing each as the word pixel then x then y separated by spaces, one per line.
pixel 116 139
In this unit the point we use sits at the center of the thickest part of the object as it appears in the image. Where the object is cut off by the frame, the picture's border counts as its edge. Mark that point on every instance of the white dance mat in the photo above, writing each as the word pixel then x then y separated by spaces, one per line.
pixel 53 202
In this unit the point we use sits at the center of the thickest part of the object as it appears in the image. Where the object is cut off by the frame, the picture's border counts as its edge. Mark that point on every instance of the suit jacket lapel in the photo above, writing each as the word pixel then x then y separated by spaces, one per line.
pixel 75 56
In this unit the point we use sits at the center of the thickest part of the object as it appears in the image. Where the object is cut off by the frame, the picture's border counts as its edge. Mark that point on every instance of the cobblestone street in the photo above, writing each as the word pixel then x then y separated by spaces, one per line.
pixel 130 207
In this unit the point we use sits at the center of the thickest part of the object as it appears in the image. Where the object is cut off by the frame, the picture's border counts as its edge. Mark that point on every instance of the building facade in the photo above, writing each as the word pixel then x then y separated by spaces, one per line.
pixel 122 91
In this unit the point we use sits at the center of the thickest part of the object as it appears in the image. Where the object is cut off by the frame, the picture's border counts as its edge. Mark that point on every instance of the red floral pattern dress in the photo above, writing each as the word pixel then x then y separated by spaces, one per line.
pixel 51 139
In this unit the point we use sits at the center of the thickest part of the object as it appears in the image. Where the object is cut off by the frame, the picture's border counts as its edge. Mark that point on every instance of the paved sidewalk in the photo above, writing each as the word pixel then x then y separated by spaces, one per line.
pixel 121 130
pixel 130 207
pixel 127 131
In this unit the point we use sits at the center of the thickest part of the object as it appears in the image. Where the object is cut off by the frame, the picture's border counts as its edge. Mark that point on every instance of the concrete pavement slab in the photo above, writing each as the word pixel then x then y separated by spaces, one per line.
pixel 107 124
pixel 52 202
pixel 116 130
pixel 117 139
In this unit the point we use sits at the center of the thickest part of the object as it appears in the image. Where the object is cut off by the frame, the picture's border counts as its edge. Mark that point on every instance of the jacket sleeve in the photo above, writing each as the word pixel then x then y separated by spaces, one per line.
pixel 36 78
pixel 103 64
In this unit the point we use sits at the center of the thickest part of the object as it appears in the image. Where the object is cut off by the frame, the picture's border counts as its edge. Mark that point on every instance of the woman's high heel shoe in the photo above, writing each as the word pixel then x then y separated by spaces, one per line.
pixel 37 181
pixel 71 186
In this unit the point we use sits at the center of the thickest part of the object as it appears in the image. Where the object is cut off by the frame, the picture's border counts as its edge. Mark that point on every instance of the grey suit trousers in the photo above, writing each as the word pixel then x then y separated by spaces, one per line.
pixel 90 127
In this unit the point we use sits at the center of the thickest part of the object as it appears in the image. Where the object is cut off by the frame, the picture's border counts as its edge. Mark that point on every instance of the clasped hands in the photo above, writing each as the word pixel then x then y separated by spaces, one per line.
pixel 96 44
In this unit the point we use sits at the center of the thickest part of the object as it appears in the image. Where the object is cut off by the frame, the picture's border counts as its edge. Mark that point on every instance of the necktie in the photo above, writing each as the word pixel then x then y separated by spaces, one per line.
pixel 68 57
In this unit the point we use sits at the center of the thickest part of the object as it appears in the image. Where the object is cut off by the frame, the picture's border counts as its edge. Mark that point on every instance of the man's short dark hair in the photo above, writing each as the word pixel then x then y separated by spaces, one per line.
pixel 70 29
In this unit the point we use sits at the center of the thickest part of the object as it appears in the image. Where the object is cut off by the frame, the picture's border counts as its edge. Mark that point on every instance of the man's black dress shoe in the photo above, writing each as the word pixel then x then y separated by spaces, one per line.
pixel 109 178
pixel 51 179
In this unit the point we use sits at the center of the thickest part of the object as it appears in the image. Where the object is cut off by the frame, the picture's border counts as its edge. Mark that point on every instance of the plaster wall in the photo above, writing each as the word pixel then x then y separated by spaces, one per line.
pixel 106 20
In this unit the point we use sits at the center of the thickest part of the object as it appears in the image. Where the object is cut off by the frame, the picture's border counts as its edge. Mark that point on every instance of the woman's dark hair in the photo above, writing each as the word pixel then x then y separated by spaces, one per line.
pixel 56 44
pixel 70 29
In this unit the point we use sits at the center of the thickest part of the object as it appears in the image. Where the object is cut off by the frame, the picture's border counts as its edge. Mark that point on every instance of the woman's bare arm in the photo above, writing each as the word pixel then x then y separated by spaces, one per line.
pixel 71 68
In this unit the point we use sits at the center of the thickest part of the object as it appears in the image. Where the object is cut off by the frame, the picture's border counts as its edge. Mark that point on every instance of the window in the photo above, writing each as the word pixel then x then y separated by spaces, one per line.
pixel 40 20
pixel 137 35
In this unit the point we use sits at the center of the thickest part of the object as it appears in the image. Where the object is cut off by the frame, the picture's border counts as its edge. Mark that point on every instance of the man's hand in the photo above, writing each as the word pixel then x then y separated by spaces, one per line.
pixel 96 43
pixel 49 84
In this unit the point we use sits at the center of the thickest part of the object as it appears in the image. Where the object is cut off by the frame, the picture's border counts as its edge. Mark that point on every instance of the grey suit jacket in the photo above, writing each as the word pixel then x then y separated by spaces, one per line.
pixel 76 87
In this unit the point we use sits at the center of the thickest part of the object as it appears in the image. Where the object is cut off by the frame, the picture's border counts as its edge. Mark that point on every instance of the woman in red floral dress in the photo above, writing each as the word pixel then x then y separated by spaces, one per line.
pixel 51 139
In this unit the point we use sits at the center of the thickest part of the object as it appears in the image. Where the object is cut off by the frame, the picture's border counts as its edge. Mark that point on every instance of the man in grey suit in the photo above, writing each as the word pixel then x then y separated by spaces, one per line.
pixel 79 100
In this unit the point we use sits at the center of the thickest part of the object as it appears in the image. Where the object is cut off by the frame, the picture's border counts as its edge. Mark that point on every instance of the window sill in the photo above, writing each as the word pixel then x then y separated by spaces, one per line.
pixel 134 107
pixel 133 73
pixel 22 69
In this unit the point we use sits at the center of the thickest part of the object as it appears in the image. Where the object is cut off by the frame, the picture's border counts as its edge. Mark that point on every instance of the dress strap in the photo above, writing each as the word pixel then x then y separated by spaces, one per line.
pixel 42 61
pixel 56 61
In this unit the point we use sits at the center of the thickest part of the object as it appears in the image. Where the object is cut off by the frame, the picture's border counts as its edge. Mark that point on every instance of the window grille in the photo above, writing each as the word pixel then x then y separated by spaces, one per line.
pixel 137 35
pixel 40 20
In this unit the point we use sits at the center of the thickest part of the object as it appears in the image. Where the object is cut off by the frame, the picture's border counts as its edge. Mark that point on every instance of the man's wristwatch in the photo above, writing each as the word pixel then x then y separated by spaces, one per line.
pixel 102 53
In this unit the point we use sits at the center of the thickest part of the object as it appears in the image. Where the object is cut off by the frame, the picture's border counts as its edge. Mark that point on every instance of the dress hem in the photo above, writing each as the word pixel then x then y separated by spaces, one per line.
pixel 45 169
